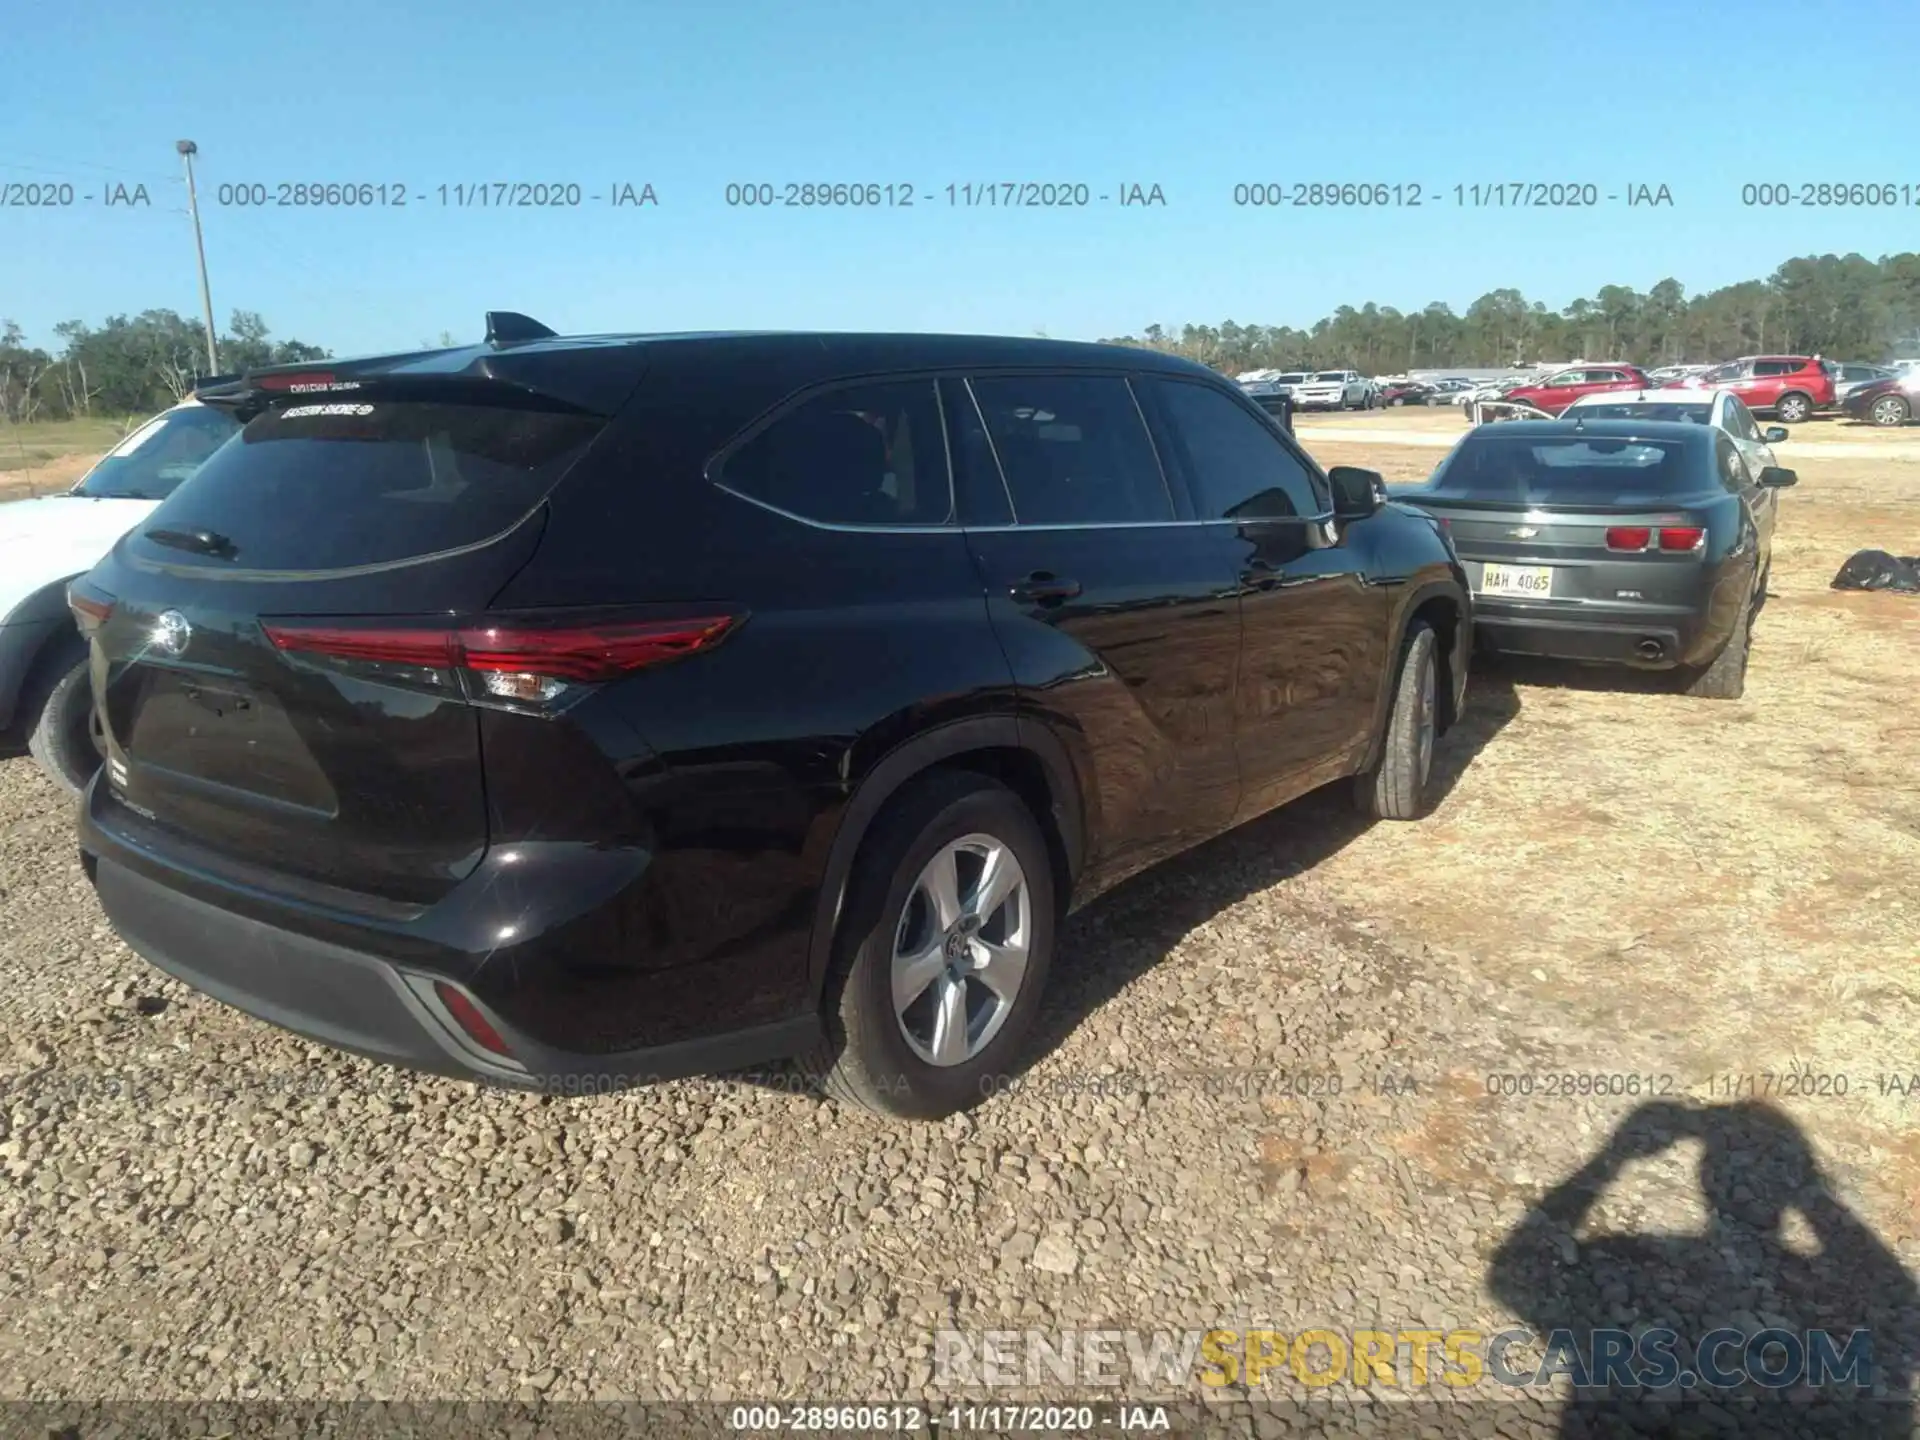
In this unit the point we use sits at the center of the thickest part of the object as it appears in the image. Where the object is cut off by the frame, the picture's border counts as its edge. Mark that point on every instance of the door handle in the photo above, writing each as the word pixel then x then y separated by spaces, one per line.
pixel 1043 587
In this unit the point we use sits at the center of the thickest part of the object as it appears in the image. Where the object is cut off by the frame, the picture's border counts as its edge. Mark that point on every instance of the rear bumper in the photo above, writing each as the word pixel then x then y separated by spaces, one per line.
pixel 345 992
pixel 1656 641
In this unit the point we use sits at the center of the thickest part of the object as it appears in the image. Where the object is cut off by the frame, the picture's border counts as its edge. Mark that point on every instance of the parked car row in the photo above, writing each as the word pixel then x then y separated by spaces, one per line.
pixel 1315 390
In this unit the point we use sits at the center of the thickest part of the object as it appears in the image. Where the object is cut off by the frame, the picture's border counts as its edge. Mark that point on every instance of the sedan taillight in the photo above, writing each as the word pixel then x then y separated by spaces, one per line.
pixel 1628 537
pixel 1682 537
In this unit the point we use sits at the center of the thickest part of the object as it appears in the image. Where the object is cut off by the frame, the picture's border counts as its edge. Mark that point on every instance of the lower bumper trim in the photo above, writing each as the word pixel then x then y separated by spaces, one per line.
pixel 367 1005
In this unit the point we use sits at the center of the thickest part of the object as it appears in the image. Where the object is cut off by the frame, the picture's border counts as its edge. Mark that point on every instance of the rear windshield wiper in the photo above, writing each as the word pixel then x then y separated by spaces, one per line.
pixel 201 542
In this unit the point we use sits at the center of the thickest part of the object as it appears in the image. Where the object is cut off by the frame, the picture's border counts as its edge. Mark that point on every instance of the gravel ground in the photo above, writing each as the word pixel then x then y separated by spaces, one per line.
pixel 1260 1098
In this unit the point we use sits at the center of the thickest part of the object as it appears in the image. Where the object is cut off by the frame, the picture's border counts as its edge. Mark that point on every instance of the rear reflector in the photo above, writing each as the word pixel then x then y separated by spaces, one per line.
pixel 1682 537
pixel 580 653
pixel 1628 537
pixel 467 1014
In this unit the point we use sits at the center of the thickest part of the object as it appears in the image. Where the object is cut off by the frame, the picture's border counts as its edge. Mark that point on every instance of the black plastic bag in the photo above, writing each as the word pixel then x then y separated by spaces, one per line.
pixel 1877 570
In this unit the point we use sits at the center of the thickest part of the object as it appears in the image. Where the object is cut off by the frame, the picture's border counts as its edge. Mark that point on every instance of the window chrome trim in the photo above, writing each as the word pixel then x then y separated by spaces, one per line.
pixel 950 528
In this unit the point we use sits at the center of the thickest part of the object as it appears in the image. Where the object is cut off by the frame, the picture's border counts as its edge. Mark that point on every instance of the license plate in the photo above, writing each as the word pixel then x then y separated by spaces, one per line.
pixel 1533 582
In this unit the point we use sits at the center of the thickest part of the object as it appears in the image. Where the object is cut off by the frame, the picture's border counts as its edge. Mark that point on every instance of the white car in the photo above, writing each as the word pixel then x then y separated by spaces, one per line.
pixel 1719 408
pixel 1336 390
pixel 44 543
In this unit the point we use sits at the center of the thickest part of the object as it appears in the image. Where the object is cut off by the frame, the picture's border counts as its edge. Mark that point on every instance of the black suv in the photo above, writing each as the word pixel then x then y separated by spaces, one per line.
pixel 579 712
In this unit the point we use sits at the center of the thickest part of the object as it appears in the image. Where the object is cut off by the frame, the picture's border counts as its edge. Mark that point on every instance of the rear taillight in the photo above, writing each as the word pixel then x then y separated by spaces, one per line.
pixel 1628 537
pixel 467 1015
pixel 510 660
pixel 1682 537
pixel 90 610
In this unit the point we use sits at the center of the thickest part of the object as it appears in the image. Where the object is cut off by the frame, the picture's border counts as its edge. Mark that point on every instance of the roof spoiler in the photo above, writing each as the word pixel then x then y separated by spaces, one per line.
pixel 509 327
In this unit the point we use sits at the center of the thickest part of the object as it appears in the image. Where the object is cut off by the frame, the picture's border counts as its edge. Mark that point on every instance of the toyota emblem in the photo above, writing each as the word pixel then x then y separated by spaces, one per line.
pixel 171 633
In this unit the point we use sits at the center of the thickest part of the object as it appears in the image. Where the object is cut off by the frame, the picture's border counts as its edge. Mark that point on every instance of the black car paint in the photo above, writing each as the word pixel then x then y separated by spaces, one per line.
pixel 660 868
pixel 1696 600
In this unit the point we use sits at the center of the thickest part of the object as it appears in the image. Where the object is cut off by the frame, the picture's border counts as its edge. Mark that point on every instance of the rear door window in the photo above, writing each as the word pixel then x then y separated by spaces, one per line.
pixel 1074 449
pixel 1775 367
pixel 333 485
pixel 868 455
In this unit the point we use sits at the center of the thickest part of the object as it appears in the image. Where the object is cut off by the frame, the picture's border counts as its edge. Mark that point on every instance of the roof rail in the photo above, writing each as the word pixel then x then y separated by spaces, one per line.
pixel 508 327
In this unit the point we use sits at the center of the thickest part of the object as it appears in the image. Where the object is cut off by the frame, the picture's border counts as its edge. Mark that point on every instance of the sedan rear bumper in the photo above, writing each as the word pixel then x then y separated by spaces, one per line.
pixel 1656 640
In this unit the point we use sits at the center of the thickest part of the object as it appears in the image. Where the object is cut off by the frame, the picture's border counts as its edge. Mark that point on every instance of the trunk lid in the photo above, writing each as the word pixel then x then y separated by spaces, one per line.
pixel 357 777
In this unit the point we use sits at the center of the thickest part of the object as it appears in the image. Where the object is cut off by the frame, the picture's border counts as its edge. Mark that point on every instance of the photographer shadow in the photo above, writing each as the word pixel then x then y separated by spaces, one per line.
pixel 1743 1273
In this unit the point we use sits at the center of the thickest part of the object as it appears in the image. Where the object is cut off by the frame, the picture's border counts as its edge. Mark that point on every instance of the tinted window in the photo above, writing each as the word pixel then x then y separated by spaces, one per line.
pixel 322 486
pixel 1740 420
pixel 862 455
pixel 1074 450
pixel 1568 470
pixel 150 463
pixel 1237 468
pixel 1722 373
pixel 1775 367
pixel 1733 469
pixel 1331 375
pixel 1644 410
pixel 977 482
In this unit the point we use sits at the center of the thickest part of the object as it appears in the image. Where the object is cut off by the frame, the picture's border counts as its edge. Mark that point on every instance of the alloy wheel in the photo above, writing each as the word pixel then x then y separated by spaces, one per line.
pixel 960 950
pixel 1889 410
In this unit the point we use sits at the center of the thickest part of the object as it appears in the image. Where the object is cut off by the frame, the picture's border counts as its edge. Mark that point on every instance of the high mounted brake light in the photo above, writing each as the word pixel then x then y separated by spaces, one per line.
pixel 305 381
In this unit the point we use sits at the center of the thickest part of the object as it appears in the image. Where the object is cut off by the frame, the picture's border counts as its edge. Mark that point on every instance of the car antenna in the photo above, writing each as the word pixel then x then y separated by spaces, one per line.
pixel 506 327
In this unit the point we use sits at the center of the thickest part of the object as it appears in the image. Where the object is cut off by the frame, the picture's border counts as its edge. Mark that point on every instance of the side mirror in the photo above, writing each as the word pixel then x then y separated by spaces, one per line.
pixel 1775 478
pixel 1774 434
pixel 1357 493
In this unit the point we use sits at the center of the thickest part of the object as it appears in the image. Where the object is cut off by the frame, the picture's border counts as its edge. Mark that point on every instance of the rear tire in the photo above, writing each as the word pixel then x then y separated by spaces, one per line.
pixel 1395 788
pixel 1726 677
pixel 62 740
pixel 1889 411
pixel 880 1054
pixel 1793 407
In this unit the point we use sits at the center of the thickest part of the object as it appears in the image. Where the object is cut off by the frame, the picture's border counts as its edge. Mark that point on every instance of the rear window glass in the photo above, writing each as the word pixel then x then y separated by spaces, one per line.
pixel 323 486
pixel 1645 410
pixel 1519 470
pixel 151 462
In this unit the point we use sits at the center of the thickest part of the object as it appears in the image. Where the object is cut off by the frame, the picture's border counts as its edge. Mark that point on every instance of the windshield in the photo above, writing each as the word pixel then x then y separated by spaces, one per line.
pixel 154 459
pixel 1565 470
pixel 1291 380
pixel 1646 410
pixel 1334 375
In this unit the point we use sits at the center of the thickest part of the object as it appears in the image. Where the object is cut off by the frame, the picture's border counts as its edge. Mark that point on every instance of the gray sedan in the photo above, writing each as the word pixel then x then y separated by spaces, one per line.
pixel 1642 543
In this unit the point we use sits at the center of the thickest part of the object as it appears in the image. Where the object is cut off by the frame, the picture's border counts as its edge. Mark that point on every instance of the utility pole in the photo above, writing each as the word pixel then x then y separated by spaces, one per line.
pixel 187 151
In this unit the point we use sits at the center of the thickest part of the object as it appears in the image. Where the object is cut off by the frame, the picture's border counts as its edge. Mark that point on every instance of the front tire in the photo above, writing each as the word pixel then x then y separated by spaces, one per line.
pixel 1889 411
pixel 1793 408
pixel 64 741
pixel 1395 788
pixel 943 953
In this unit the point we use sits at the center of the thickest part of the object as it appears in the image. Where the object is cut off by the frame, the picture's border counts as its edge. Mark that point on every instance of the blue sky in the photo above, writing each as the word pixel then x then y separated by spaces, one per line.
pixel 1195 97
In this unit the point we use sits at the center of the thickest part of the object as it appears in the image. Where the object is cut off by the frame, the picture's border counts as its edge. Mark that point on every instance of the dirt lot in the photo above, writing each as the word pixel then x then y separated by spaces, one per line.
pixel 1712 904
